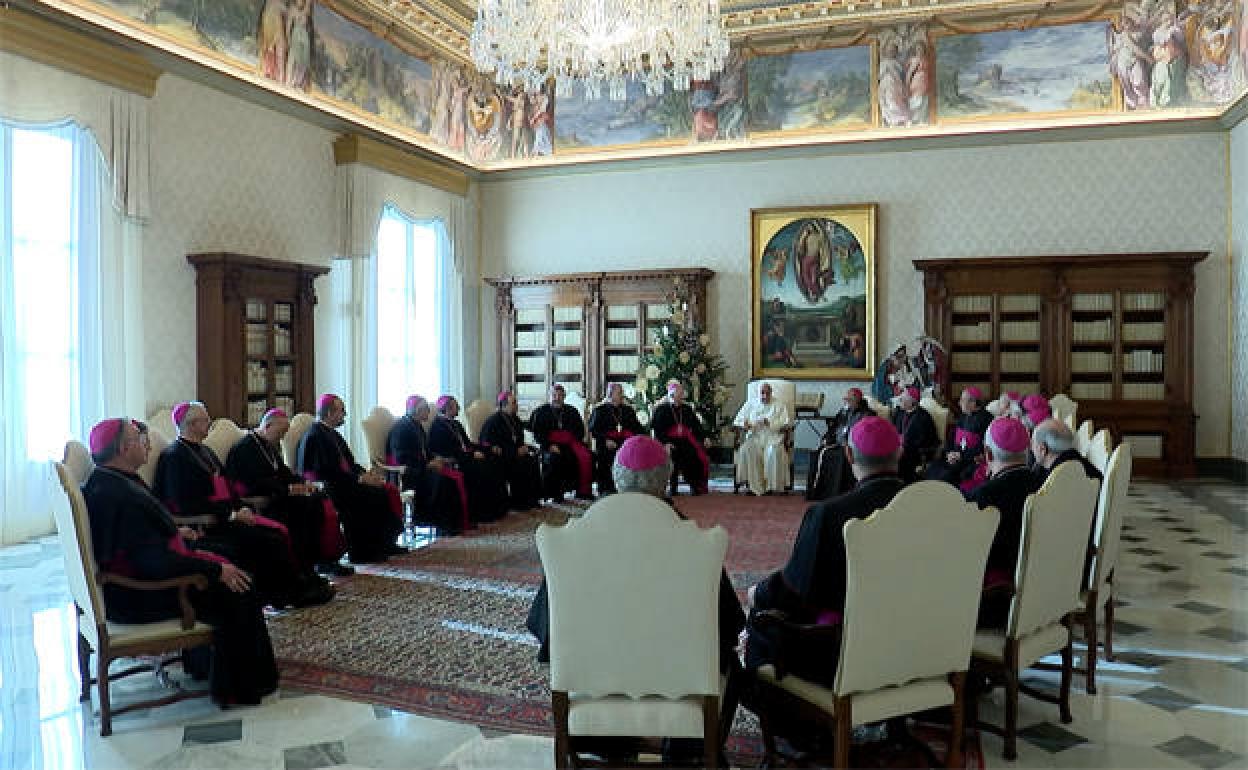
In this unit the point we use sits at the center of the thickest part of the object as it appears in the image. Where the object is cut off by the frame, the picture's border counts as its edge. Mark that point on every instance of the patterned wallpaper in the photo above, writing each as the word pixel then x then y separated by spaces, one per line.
pixel 1143 194
pixel 226 176
pixel 1239 250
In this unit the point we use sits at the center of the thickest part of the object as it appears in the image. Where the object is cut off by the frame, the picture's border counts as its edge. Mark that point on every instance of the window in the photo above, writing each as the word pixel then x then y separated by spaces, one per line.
pixel 39 258
pixel 409 316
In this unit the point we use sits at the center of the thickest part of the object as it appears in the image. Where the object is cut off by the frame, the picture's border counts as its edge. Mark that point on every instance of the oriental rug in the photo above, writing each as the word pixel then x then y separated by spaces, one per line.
pixel 440 631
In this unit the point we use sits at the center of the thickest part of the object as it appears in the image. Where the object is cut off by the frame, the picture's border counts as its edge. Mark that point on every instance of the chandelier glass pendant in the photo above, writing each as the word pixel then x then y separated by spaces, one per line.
pixel 599 42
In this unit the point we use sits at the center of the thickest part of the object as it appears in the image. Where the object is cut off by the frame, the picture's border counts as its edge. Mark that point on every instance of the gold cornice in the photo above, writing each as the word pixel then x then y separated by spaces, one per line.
pixel 353 148
pixel 28 35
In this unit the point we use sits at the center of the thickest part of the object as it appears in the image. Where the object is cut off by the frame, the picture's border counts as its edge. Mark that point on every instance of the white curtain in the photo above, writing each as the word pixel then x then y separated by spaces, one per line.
pixel 70 323
pixel 352 346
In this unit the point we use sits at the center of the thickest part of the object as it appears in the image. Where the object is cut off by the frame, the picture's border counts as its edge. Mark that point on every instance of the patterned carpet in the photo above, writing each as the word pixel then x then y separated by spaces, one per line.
pixel 440 631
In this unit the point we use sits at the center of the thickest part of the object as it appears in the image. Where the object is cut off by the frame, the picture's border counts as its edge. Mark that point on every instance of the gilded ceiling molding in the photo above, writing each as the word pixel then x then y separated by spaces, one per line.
pixel 795 17
pixel 411 30
pixel 353 148
pixel 32 37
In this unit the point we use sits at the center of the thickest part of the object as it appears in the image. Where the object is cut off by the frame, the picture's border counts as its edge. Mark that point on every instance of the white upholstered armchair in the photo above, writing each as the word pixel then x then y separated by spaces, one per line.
pixel 633 652
pixel 784 392
pixel 902 573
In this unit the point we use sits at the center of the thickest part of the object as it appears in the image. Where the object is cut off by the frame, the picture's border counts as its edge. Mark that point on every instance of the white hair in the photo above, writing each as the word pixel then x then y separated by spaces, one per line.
pixel 651 482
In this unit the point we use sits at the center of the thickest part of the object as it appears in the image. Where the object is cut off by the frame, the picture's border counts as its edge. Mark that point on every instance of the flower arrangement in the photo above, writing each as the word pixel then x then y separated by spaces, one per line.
pixel 681 352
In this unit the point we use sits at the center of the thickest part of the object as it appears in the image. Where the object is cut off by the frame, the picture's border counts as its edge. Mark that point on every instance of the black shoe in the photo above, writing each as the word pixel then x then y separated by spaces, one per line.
pixel 394 549
pixel 367 557
pixel 319 592
pixel 337 569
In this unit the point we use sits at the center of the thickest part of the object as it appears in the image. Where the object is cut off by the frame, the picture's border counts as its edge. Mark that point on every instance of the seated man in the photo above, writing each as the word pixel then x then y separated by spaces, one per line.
pixel 439 495
pixel 371 510
pixel 566 461
pixel 1035 410
pixel 830 474
pixel 255 467
pixel 810 588
pixel 761 459
pixel 133 534
pixel 965 447
pixel 676 425
pixel 918 433
pixel 612 422
pixel 503 435
pixel 642 467
pixel 487 491
pixel 191 481
pixel 1007 488
pixel 1052 444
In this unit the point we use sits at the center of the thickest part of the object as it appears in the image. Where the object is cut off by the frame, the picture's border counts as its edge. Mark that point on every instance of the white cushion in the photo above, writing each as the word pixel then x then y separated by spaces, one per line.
pixel 130 633
pixel 990 644
pixel 871 706
pixel 622 715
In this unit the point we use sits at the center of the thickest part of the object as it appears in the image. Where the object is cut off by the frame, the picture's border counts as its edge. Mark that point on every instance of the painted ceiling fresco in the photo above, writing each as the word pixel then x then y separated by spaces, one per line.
pixel 1048 65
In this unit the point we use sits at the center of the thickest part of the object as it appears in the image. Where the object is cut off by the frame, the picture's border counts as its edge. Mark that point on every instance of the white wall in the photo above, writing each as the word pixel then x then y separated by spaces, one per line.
pixel 1239 252
pixel 226 176
pixel 1122 195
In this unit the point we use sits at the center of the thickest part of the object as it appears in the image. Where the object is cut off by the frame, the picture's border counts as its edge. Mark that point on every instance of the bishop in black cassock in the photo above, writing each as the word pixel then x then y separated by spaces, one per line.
pixel 612 422
pixel 918 433
pixel 566 461
pixel 965 447
pixel 676 424
pixel 830 474
pixel 191 481
pixel 371 511
pixel 502 435
pixel 134 535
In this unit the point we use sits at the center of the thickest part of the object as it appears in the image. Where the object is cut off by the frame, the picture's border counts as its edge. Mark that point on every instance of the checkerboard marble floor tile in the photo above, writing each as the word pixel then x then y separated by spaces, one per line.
pixel 1176 695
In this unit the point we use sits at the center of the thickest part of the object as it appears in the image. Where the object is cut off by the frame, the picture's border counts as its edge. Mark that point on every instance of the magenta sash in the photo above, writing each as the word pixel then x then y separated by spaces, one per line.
pixel 584 462
pixel 689 437
pixel 220 489
pixel 966 439
pixel 457 477
pixel 976 480
pixel 997 577
pixel 619 436
pixel 179 547
pixel 344 465
pixel 333 543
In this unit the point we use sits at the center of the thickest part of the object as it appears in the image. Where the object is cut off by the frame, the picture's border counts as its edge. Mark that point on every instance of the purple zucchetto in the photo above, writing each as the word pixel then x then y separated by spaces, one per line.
pixel 1009 435
pixel 875 436
pixel 641 453
pixel 104 434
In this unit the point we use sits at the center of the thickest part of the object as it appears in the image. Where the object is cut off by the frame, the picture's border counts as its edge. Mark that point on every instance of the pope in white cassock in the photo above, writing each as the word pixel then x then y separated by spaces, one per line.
pixel 761 459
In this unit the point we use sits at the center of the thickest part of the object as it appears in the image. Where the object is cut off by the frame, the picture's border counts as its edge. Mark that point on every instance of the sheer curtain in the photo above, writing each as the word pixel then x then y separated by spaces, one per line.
pixel 69 310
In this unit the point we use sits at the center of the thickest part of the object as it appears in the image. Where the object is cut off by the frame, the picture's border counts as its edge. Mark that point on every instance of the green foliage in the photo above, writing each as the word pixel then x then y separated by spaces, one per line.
pixel 673 113
pixel 955 54
pixel 700 371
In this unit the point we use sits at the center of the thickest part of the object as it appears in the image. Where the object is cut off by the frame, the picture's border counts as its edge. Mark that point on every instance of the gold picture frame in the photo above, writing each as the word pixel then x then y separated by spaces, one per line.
pixel 812 287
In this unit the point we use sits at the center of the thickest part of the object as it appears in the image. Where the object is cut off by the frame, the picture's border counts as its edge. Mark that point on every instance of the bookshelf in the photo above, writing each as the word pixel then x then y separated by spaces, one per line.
pixel 255 336
pixel 583 329
pixel 1114 332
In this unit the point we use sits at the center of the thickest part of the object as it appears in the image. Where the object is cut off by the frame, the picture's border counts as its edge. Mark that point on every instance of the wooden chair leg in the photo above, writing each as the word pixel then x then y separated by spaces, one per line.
pixel 84 668
pixel 844 717
pixel 1109 624
pixel 1011 700
pixel 1068 654
pixel 559 705
pixel 957 726
pixel 1089 636
pixel 710 731
pixel 101 678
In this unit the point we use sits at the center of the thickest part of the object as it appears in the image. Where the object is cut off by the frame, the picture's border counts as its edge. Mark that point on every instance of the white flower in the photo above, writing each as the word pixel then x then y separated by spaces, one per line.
pixel 719 398
pixel 684 356
pixel 652 372
pixel 704 340
pixel 641 384
pixel 701 368
pixel 678 317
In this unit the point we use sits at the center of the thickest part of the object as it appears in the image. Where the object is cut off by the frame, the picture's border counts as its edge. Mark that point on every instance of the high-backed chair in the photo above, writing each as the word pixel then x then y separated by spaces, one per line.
pixel 1064 409
pixel 107 639
pixel 377 427
pixel 900 570
pixel 78 462
pixel 578 402
pixel 1099 449
pixel 299 425
pixel 1098 598
pixel 158 439
pixel 1047 584
pixel 940 416
pixel 222 436
pixel 162 420
pixel 474 418
pixel 1083 437
pixel 633 652
pixel 785 393
pixel 880 408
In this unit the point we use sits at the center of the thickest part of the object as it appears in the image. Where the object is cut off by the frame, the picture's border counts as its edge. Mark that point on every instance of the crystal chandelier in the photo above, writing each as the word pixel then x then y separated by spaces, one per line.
pixel 597 42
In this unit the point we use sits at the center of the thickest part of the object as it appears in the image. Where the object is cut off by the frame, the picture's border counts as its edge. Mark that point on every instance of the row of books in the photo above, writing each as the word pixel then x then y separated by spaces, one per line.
pixel 1143 361
pixel 1088 302
pixel 1022 331
pixel 1090 361
pixel 972 304
pixel 1143 391
pixel 256 409
pixel 980 332
pixel 1093 331
pixel 1144 331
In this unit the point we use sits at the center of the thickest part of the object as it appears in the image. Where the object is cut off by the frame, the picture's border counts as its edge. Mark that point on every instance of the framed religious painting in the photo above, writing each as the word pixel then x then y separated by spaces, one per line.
pixel 812 278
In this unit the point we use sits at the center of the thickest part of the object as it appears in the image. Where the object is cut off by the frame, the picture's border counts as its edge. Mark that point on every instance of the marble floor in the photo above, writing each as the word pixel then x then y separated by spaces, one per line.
pixel 1177 696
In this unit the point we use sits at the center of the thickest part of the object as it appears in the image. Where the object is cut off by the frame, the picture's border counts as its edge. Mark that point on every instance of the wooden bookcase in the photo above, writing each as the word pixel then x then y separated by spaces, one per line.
pixel 1113 331
pixel 255 335
pixel 584 329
